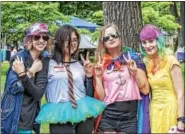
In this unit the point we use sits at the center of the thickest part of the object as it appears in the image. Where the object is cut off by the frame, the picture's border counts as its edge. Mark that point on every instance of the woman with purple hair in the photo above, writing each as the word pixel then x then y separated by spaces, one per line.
pixel 165 78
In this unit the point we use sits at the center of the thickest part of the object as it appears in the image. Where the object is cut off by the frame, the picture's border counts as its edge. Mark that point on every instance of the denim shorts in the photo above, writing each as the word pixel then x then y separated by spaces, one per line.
pixel 119 117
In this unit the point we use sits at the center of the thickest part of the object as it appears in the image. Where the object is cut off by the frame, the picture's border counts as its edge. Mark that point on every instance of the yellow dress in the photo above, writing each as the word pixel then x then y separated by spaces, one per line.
pixel 163 106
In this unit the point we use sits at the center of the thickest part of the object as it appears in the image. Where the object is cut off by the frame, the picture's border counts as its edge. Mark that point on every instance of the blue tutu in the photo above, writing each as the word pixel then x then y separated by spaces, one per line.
pixel 64 112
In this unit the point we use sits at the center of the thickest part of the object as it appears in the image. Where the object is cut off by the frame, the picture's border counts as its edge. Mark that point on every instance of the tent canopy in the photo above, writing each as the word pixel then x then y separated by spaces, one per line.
pixel 86 43
pixel 79 23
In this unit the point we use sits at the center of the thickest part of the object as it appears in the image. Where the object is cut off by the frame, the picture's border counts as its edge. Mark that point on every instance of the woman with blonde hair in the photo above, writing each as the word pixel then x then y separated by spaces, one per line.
pixel 119 79
pixel 26 82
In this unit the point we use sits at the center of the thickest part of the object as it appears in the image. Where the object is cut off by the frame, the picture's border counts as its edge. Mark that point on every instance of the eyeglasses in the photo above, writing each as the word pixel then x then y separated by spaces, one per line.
pixel 37 37
pixel 105 39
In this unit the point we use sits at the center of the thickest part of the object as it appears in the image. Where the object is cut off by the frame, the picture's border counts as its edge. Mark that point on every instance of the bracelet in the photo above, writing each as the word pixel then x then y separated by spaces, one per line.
pixel 22 76
pixel 180 130
pixel 182 119
pixel 21 73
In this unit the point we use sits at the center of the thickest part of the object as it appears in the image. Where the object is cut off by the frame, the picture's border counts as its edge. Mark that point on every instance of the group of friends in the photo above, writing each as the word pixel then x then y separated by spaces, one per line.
pixel 121 91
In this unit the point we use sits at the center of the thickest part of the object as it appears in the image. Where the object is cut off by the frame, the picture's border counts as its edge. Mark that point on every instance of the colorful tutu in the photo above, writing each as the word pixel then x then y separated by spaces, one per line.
pixel 63 112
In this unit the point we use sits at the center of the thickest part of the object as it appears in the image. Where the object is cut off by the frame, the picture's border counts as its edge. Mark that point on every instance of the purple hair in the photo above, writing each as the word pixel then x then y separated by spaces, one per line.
pixel 149 32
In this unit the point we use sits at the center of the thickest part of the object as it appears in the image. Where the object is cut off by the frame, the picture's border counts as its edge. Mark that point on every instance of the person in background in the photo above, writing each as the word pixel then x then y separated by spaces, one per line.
pixel 165 78
pixel 13 51
pixel 25 83
pixel 70 106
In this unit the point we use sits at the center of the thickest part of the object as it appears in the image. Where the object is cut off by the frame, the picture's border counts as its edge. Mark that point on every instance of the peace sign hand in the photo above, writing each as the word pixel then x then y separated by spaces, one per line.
pixel 18 65
pixel 99 67
pixel 131 65
pixel 88 66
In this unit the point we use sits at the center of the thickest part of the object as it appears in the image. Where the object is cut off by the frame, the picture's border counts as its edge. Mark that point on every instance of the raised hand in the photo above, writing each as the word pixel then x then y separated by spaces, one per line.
pixel 131 65
pixel 18 65
pixel 36 66
pixel 99 67
pixel 88 66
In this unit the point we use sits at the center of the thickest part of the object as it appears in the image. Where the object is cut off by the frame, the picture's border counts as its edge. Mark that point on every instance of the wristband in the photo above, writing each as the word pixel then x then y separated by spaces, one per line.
pixel 21 72
pixel 180 129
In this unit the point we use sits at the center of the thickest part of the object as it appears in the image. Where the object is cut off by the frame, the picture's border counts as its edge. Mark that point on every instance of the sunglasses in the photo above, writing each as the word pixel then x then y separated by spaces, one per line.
pixel 115 36
pixel 37 37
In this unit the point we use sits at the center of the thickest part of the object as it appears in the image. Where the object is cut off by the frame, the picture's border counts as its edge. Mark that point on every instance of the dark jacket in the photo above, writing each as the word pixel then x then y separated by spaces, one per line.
pixel 11 101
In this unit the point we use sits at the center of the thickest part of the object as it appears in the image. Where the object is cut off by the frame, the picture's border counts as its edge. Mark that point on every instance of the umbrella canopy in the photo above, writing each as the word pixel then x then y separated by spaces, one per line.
pixel 79 23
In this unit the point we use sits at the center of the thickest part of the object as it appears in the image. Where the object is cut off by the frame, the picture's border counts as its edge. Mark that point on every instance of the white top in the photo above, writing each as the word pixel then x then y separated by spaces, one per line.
pixel 57 87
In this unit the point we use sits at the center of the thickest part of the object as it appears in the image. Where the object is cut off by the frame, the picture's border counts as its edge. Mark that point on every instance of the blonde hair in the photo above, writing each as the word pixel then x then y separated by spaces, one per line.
pixel 101 50
pixel 29 44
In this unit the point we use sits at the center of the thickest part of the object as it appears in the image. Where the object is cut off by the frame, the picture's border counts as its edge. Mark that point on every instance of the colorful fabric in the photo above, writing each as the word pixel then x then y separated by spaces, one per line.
pixel 64 112
pixel 163 106
pixel 143 115
pixel 21 131
pixel 35 29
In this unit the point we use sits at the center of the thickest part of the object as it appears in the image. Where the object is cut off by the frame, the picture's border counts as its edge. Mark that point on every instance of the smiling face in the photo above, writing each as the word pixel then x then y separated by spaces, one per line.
pixel 111 38
pixel 150 46
pixel 40 41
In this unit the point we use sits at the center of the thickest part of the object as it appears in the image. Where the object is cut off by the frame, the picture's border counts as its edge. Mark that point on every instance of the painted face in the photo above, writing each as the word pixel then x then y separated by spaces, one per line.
pixel 40 41
pixel 111 38
pixel 150 46
pixel 73 44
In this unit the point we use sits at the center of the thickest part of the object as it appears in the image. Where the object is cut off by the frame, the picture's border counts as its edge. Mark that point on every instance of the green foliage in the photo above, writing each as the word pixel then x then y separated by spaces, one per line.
pixel 183 71
pixel 158 13
pixel 4 67
pixel 83 9
pixel 98 17
pixel 19 15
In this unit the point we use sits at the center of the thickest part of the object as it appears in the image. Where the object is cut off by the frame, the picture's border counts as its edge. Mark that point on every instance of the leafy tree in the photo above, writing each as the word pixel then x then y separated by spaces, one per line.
pixel 159 13
pixel 17 16
pixel 88 10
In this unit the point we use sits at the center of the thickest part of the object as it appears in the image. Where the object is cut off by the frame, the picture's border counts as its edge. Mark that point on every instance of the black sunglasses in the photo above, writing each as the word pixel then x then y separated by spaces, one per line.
pixel 105 39
pixel 37 37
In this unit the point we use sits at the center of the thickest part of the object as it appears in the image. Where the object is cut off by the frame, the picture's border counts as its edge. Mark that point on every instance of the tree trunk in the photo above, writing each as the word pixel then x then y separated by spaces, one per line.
pixel 181 40
pixel 127 16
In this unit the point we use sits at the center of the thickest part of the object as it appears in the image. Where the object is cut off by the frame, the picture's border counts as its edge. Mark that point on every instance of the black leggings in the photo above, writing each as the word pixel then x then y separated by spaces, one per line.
pixel 84 127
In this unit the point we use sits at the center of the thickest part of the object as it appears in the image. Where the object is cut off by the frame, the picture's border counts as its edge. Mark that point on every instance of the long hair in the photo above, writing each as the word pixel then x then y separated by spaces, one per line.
pixel 101 50
pixel 63 34
pixel 152 32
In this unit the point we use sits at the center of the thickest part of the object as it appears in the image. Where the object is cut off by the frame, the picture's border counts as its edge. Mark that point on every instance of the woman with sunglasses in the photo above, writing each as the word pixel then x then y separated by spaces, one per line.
pixel 25 83
pixel 119 76
pixel 70 108
pixel 165 78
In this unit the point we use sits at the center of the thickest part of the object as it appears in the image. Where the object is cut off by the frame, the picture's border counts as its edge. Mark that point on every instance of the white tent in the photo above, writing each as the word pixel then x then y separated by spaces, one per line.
pixel 86 43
